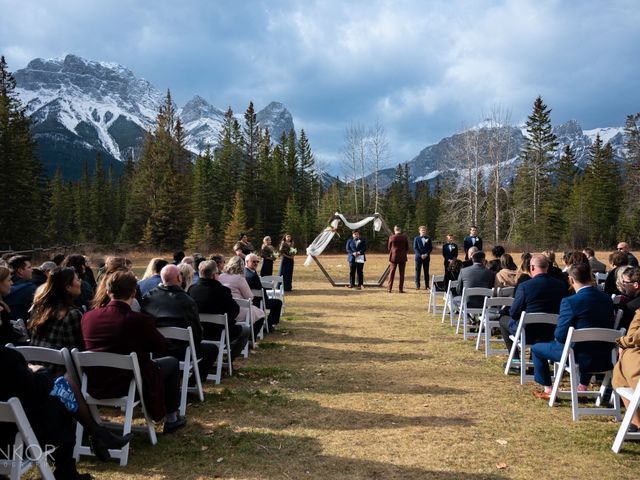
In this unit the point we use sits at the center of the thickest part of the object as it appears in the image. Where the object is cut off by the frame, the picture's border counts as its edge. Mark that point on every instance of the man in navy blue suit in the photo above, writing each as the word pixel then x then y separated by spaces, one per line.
pixel 422 247
pixel 588 308
pixel 541 294
pixel 356 248
pixel 471 240
pixel 449 251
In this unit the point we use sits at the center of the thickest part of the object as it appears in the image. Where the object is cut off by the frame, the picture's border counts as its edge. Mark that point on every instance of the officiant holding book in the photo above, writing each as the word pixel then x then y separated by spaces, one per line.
pixel 356 248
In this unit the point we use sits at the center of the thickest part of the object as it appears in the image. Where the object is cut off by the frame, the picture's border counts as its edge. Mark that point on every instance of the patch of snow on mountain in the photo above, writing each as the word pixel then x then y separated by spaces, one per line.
pixel 606 133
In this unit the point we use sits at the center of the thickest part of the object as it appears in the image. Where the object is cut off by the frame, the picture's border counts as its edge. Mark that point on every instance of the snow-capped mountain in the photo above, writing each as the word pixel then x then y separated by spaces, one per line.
pixel 80 107
pixel 446 156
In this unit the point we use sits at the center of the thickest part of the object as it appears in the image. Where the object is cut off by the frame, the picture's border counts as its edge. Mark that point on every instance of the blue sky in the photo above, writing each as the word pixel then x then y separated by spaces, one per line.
pixel 424 69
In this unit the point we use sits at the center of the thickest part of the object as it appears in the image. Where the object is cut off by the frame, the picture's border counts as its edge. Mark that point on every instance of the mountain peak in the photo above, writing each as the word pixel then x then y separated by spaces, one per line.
pixel 276 118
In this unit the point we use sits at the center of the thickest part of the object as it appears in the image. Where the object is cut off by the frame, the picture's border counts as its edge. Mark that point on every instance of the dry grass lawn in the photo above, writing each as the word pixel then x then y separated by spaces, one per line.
pixel 367 385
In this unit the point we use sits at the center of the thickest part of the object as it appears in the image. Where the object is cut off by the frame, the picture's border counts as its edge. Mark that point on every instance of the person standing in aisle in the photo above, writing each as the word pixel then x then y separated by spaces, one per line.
pixel 356 248
pixel 422 247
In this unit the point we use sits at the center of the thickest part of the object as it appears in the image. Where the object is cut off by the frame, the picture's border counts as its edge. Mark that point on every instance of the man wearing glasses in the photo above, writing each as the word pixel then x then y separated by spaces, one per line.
pixel 631 290
pixel 253 279
pixel 624 247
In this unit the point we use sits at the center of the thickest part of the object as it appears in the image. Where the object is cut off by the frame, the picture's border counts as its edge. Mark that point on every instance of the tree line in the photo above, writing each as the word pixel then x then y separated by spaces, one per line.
pixel 166 199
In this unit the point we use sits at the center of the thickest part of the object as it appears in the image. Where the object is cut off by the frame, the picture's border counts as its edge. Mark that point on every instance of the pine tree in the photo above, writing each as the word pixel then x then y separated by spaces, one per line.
pixel 237 224
pixel 251 140
pixel 19 170
pixel 83 207
pixel 602 184
pixel 630 224
pixel 60 212
pixel 201 234
pixel 537 153
pixel 558 210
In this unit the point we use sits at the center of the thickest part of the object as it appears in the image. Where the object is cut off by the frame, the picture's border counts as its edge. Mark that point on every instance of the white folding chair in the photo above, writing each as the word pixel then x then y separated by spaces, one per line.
pixel 127 403
pixel 505 291
pixel 49 355
pixel 465 312
pixel 263 306
pixel 276 289
pixel 520 341
pixel 434 293
pixel 223 343
pixel 248 320
pixel 633 397
pixel 568 363
pixel 188 366
pixel 600 278
pixel 489 319
pixel 448 301
pixel 26 451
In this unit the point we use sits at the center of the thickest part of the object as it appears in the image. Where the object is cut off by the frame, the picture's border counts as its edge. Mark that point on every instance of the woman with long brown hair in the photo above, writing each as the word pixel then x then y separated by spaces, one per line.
pixel 111 265
pixel 6 329
pixel 55 321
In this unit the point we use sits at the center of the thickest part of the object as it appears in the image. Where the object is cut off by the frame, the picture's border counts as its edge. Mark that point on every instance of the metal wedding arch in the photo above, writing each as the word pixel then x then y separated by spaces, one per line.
pixel 315 249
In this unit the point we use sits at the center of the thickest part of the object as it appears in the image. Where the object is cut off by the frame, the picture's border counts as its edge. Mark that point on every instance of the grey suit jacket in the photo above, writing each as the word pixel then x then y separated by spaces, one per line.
pixel 475 276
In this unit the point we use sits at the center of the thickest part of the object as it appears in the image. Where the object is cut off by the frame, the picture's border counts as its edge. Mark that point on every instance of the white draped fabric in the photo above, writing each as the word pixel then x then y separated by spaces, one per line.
pixel 321 241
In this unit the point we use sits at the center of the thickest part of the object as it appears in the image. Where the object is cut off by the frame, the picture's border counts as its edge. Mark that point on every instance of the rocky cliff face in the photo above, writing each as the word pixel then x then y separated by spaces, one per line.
pixel 81 107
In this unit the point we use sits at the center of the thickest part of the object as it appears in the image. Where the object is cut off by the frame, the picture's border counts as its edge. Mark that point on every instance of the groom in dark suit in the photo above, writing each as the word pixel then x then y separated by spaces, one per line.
pixel 398 246
pixel 422 247
pixel 356 248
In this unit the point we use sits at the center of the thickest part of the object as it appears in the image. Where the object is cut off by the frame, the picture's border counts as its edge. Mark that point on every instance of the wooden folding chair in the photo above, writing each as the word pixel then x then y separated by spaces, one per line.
pixel 520 341
pixel 568 363
pixel 465 312
pixel 188 365
pixel 434 293
pixel 223 343
pixel 489 318
pixel 26 451
pixel 127 403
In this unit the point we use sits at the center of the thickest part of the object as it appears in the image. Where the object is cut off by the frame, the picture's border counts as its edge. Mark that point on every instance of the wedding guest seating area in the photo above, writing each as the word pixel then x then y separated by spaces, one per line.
pixel 347 375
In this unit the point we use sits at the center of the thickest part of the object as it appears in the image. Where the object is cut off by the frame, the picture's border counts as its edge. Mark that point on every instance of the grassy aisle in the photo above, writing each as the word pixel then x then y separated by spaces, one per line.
pixel 365 384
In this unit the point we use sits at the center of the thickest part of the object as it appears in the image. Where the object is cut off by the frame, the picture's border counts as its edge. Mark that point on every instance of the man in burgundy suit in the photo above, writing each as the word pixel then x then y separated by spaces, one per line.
pixel 398 246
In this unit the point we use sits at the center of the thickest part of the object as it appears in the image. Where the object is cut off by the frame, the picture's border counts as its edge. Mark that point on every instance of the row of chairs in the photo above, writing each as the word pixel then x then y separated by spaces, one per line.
pixel 76 363
pixel 488 319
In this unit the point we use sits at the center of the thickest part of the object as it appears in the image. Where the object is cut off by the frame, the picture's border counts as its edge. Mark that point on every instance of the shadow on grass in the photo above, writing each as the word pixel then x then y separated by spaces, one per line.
pixel 322 354
pixel 200 451
pixel 331 337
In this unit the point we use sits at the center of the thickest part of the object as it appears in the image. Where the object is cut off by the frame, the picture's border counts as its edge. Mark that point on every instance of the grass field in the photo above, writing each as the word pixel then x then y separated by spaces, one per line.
pixel 367 385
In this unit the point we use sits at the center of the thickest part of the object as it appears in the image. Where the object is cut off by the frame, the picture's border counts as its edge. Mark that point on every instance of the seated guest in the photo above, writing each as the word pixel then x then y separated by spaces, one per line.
pixel 177 257
pixel 116 328
pixel 588 308
pixel 497 252
pixel 233 278
pixel 213 297
pixel 506 277
pixel 58 259
pixel 112 265
pixel 40 274
pixel 55 320
pixel 51 405
pixel 170 305
pixel 197 260
pixel 631 260
pixel 469 261
pixel 627 371
pixel 493 265
pixel 89 277
pixel 253 279
pixel 267 252
pixel 23 289
pixel 524 270
pixel 187 272
pixel 631 302
pixel 541 294
pixel 553 270
pixel 7 334
pixel 220 261
pixel 616 259
pixel 596 265
pixel 475 276
pixel 454 267
pixel 151 278
pixel 79 264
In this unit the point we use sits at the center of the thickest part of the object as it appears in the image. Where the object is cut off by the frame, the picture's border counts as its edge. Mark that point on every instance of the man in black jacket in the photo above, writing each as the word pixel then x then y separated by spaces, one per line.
pixel 213 297
pixel 253 279
pixel 172 307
